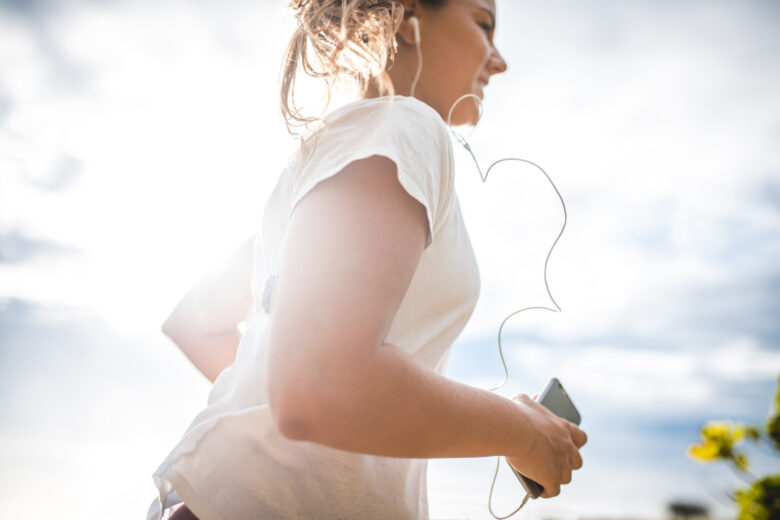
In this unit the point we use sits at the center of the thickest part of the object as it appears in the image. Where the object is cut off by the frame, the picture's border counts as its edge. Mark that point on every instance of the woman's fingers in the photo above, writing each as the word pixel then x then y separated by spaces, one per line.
pixel 576 460
pixel 566 440
pixel 578 436
pixel 551 491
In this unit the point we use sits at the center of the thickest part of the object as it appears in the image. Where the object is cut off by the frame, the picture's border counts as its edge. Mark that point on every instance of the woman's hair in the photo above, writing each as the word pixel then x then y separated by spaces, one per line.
pixel 341 41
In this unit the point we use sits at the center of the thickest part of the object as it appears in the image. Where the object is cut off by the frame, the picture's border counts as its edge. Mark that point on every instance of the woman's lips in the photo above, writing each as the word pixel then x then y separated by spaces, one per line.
pixel 482 83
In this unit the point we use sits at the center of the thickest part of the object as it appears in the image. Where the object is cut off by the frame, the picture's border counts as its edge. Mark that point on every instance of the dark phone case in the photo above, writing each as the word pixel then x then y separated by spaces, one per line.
pixel 557 400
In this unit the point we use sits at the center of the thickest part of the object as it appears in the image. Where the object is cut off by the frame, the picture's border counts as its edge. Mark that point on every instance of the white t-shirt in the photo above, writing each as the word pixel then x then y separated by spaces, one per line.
pixel 232 463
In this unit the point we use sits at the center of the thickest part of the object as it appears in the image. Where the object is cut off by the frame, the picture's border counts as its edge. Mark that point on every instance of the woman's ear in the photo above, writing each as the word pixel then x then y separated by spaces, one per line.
pixel 405 32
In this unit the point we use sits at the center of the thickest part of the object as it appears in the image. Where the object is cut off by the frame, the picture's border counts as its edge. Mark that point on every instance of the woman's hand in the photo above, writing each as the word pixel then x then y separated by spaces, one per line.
pixel 204 324
pixel 552 451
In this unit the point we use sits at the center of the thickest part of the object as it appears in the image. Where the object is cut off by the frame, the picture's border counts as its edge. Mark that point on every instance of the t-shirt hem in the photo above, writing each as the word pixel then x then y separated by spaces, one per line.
pixel 194 502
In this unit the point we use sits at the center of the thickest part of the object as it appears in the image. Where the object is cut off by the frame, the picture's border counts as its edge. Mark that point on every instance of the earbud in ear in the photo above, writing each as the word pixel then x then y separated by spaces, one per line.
pixel 416 24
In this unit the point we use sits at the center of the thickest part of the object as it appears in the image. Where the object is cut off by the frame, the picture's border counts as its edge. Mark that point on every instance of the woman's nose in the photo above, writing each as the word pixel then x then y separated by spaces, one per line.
pixel 497 63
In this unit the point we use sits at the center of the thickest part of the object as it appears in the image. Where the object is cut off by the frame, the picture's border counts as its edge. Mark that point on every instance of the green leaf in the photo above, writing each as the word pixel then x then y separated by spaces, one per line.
pixel 761 501
pixel 741 462
pixel 773 430
pixel 753 433
pixel 777 396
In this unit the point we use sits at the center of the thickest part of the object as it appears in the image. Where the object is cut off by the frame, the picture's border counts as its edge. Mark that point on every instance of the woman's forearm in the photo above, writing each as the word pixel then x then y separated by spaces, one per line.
pixel 211 354
pixel 204 324
pixel 394 406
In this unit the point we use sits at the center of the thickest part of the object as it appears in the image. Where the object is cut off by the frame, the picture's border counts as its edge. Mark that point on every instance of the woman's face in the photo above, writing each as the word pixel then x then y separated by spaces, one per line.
pixel 459 56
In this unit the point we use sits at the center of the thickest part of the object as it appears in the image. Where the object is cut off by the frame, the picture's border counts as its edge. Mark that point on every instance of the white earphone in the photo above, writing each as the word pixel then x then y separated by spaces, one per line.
pixel 416 24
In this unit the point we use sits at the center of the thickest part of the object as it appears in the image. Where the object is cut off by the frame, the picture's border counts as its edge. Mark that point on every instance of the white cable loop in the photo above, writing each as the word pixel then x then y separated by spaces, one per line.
pixel 465 144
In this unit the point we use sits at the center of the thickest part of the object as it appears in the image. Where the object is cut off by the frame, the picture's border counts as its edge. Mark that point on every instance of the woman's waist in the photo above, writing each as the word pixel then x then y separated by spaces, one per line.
pixel 247 454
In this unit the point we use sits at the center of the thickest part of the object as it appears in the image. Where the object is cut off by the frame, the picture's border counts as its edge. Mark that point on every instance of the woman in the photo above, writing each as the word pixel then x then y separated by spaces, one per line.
pixel 334 404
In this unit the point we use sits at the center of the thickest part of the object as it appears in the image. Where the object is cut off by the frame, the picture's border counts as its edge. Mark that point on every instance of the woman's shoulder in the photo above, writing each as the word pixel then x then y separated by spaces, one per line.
pixel 382 108
pixel 403 128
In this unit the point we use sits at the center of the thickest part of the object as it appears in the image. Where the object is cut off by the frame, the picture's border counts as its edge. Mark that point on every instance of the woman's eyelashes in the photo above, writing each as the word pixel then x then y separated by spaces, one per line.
pixel 488 27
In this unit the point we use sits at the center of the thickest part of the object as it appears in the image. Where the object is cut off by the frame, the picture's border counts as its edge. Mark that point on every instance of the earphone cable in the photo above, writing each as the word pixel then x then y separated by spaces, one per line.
pixel 557 308
pixel 465 144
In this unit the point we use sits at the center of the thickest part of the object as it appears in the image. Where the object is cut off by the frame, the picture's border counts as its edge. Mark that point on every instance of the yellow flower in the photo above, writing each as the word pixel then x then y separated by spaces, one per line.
pixel 707 452
pixel 718 439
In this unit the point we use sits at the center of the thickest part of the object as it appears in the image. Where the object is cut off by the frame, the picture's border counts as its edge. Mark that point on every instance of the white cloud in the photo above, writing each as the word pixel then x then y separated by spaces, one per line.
pixel 175 125
pixel 657 144
pixel 643 382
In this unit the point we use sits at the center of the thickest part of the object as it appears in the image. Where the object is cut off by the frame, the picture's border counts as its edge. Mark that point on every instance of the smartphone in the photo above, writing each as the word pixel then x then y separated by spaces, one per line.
pixel 557 400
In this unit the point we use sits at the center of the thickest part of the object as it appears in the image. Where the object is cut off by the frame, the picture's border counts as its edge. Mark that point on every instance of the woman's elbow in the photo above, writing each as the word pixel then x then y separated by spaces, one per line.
pixel 291 406
pixel 311 391
pixel 293 427
pixel 170 328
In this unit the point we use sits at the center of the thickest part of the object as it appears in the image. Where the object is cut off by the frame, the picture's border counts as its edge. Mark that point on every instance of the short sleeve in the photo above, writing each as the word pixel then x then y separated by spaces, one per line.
pixel 403 129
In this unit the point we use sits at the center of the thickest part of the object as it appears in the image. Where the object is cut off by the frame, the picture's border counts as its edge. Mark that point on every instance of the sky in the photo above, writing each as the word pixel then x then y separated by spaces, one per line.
pixel 140 140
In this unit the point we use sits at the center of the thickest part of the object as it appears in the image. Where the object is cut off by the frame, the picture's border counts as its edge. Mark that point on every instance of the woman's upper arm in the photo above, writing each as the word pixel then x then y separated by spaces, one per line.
pixel 351 248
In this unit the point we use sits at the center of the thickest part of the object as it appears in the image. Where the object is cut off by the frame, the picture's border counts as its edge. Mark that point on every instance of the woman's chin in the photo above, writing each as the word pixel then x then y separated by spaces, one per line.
pixel 469 116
